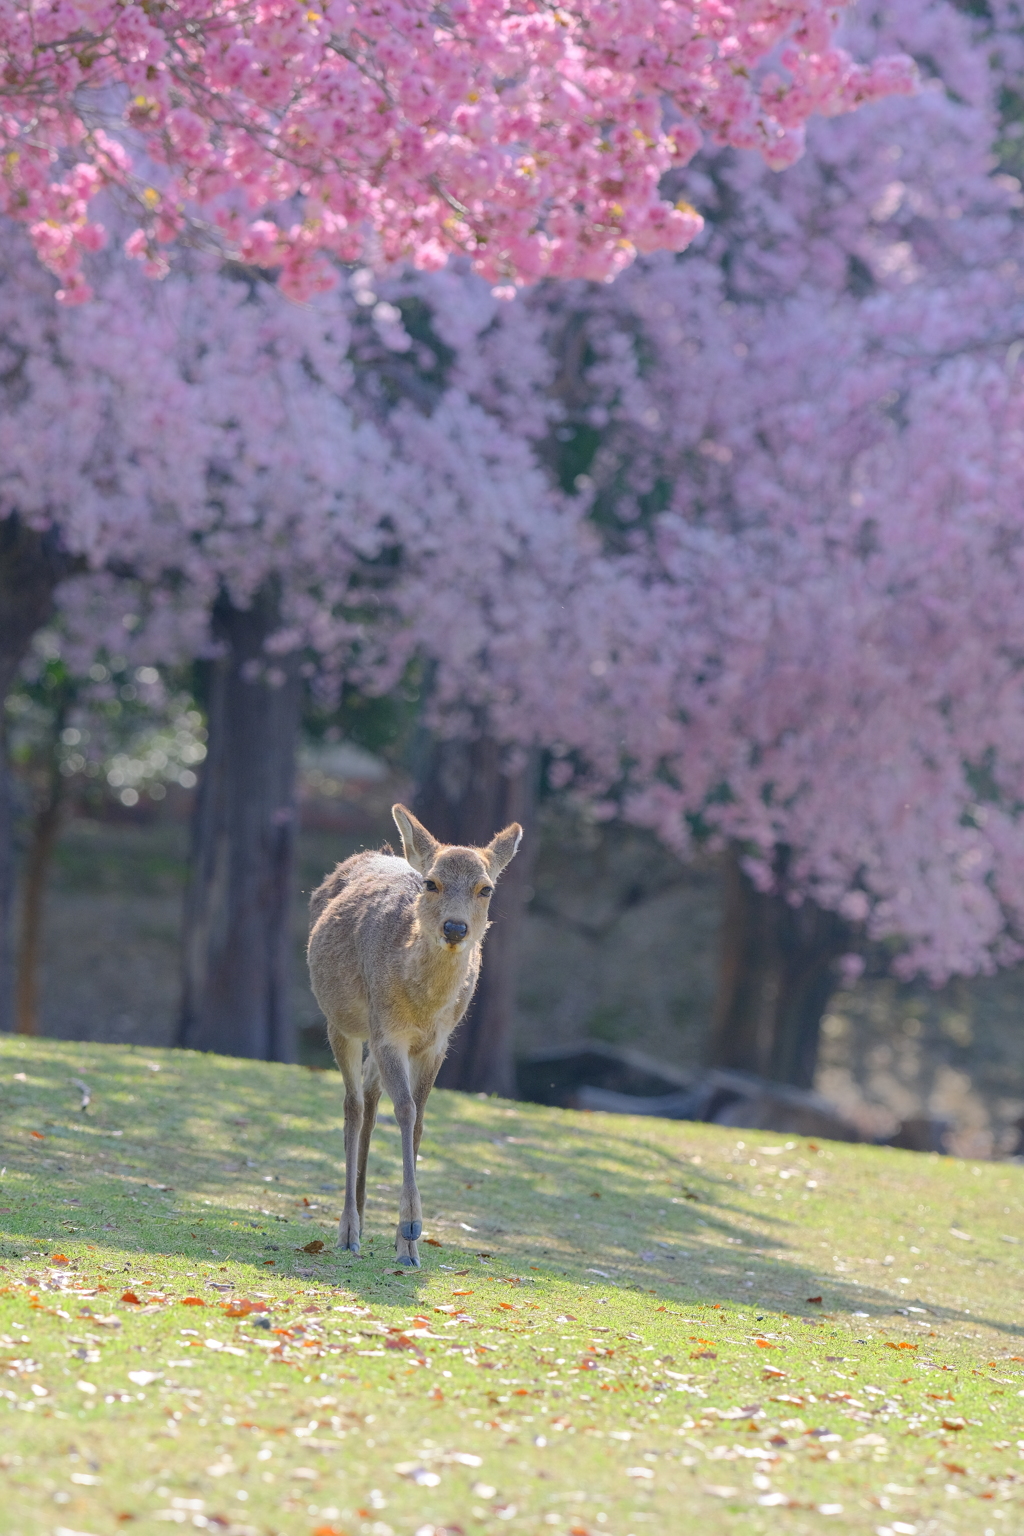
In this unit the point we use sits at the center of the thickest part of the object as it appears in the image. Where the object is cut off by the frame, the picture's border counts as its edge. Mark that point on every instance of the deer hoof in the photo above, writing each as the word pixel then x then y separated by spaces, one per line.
pixel 412 1230
pixel 410 1263
pixel 348 1235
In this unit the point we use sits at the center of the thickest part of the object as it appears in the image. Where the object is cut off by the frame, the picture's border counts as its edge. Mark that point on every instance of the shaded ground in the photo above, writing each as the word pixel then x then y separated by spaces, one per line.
pixel 616 1319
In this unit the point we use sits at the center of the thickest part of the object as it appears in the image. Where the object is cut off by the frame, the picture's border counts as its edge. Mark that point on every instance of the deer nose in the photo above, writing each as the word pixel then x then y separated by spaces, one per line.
pixel 453 932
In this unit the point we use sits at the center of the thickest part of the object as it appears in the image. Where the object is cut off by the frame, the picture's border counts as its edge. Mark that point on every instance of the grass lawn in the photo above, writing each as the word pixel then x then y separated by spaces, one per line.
pixel 621 1326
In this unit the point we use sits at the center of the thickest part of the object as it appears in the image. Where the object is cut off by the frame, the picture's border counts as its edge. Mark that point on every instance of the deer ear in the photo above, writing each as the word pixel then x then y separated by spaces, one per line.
pixel 503 847
pixel 417 844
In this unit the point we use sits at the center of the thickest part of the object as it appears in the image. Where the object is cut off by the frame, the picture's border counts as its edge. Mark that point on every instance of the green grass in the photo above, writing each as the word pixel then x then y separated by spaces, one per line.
pixel 625 1345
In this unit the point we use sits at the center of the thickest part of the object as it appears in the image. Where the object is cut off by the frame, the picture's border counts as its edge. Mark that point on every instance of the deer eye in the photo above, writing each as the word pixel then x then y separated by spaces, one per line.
pixel 431 885
pixel 486 890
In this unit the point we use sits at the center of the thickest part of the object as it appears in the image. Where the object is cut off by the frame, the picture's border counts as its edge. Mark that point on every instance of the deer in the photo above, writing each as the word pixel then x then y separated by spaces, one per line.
pixel 394 957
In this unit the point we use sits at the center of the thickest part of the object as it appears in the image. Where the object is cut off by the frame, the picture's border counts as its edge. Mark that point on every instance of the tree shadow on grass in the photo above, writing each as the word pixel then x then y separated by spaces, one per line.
pixel 236 1163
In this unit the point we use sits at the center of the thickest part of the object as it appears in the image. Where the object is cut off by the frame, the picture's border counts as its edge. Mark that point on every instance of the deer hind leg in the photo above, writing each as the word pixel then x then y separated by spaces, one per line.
pixel 349 1055
pixel 371 1098
pixel 424 1072
pixel 393 1065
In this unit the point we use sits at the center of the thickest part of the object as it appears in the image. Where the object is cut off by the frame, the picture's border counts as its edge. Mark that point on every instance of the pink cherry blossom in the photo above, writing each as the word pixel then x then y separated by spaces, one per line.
pixel 530 139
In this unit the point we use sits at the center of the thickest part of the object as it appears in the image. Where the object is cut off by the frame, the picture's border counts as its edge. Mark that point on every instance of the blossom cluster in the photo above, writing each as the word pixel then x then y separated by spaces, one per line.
pixel 530 138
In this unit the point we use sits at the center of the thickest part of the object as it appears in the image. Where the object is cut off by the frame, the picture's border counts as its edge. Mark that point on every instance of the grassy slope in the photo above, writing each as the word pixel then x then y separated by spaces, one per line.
pixel 690 1386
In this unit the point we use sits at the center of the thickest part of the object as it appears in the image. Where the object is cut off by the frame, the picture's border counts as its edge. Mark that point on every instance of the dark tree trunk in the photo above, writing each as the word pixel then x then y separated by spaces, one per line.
pixel 465 797
pixel 45 826
pixel 31 565
pixel 48 807
pixel 237 926
pixel 776 974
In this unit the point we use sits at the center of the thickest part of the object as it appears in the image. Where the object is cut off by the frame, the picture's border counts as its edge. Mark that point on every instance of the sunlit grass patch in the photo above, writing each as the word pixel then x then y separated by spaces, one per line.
pixel 620 1326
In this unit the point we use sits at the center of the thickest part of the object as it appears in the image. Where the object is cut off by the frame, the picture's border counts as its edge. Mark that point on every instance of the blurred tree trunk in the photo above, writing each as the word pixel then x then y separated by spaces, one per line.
pixel 777 971
pixel 464 796
pixel 47 812
pixel 237 937
pixel 31 565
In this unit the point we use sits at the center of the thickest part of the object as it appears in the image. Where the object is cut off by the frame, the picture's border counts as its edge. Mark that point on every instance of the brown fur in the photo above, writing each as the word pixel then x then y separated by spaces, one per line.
pixel 387 976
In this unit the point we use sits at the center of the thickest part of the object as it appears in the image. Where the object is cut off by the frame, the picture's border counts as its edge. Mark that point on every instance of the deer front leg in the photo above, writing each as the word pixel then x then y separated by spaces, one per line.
pixel 393 1065
pixel 349 1056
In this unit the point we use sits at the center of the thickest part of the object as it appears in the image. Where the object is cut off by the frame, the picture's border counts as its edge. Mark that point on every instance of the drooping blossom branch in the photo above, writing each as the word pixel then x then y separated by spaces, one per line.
pixel 531 138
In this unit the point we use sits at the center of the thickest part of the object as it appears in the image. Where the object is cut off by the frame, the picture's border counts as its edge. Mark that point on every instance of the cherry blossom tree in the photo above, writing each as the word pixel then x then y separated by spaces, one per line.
pixel 703 536
pixel 287 485
pixel 532 140
pixel 802 444
pixel 124 451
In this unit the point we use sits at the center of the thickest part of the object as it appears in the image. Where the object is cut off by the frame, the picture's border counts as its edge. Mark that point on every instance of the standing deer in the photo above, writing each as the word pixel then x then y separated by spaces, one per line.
pixel 394 956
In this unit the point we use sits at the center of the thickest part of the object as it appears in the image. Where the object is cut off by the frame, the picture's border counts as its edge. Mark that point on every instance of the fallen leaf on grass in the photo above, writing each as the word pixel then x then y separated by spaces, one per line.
pixel 417 1474
pixel 704 1354
pixel 814 1301
pixel 901 1345
pixel 954 1424
pixel 240 1307
pixel 38 1135
pixel 143 1378
pixel 316 1246
pixel 327 1530
pixel 433 1242
pixel 59 1258
pixel 131 1298
pixel 644 1473
pixel 193 1301
pixel 955 1467
pixel 402 1341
